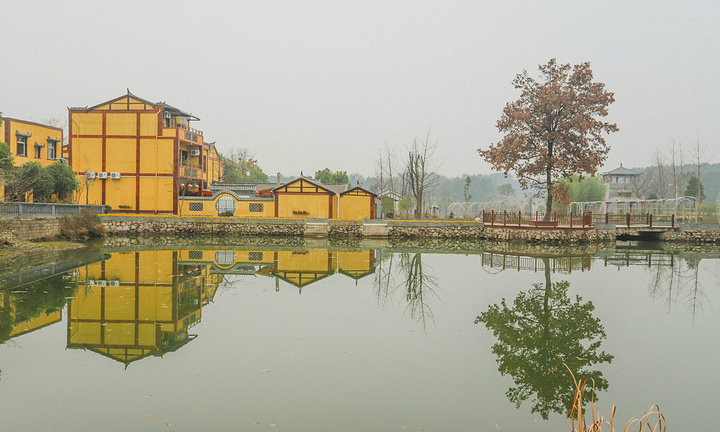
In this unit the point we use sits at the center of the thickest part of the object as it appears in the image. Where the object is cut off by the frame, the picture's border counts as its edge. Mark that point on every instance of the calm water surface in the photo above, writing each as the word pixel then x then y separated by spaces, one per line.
pixel 321 338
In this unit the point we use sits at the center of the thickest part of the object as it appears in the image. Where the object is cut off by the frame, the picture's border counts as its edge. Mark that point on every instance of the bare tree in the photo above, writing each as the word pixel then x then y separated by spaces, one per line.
pixel 386 170
pixel 661 185
pixel 420 170
pixel 642 184
pixel 676 154
pixel 700 156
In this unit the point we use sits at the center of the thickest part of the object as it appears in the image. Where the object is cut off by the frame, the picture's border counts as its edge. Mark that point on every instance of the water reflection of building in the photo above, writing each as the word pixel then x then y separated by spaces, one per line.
pixel 18 322
pixel 298 268
pixel 137 304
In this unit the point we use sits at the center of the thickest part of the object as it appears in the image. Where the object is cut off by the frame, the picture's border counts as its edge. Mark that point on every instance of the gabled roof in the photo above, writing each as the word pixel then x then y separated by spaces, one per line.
pixel 357 190
pixel 168 108
pixel 332 189
pixel 622 171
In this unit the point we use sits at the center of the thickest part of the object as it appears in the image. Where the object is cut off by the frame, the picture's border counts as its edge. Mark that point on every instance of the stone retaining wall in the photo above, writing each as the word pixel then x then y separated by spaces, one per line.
pixel 175 227
pixel 345 228
pixel 548 236
pixel 200 226
pixel 694 233
pixel 444 230
pixel 28 229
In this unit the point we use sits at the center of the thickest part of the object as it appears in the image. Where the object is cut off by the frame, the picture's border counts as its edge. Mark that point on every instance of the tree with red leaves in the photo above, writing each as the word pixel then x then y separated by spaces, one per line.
pixel 553 130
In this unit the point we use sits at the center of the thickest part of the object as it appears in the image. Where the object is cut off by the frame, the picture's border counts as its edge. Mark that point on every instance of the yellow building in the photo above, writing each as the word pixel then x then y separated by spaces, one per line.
pixel 356 203
pixel 139 156
pixel 309 198
pixel 300 198
pixel 138 304
pixel 31 142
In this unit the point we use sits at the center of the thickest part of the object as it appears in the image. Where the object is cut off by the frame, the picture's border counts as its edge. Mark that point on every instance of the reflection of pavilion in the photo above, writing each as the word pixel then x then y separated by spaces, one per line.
pixel 137 304
pixel 499 261
pixel 298 268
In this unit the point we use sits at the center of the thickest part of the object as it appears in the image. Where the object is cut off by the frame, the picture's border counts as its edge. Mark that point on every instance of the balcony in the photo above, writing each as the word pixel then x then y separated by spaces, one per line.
pixel 185 133
pixel 189 170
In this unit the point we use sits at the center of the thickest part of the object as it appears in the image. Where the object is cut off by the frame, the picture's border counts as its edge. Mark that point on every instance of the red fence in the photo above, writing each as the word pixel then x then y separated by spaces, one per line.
pixel 635 219
pixel 537 220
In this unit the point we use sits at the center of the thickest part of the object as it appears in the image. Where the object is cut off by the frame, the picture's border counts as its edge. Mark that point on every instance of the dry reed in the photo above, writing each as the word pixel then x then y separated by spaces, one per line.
pixel 651 421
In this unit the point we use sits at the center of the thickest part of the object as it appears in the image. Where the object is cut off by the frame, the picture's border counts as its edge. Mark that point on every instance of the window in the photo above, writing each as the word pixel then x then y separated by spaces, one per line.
pixel 22 144
pixel 204 162
pixel 38 150
pixel 256 207
pixel 196 206
pixel 52 149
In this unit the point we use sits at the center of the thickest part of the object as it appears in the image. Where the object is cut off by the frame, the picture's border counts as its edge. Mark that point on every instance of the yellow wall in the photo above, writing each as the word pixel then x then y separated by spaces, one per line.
pixel 355 207
pixel 209 207
pixel 303 205
pixel 214 171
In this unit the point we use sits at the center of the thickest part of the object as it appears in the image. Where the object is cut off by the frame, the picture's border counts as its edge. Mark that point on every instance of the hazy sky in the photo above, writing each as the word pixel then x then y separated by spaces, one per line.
pixel 306 85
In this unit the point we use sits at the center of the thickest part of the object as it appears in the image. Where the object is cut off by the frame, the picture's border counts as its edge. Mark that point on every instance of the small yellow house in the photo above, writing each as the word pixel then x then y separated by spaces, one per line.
pixel 307 198
pixel 357 203
pixel 31 142
pixel 139 156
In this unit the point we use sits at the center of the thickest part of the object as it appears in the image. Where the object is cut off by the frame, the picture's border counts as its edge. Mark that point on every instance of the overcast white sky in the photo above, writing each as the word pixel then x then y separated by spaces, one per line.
pixel 306 85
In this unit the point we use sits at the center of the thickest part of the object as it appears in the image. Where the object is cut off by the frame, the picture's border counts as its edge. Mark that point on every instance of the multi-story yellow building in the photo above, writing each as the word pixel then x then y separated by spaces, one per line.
pixel 139 156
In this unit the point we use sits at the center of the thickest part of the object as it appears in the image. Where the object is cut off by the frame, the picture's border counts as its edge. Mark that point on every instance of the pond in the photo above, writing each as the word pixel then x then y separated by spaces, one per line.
pixel 313 336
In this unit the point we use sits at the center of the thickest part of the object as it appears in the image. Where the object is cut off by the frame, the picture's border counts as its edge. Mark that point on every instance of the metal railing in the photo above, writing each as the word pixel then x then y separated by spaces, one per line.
pixel 17 209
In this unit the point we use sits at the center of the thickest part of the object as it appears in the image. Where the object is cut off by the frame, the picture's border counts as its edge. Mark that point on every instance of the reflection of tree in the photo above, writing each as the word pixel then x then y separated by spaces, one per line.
pixel 677 279
pixel 542 329
pixel 417 285
pixel 384 278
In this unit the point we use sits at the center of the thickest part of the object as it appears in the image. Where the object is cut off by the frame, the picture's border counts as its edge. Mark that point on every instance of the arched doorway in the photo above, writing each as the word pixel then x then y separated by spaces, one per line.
pixel 226 206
